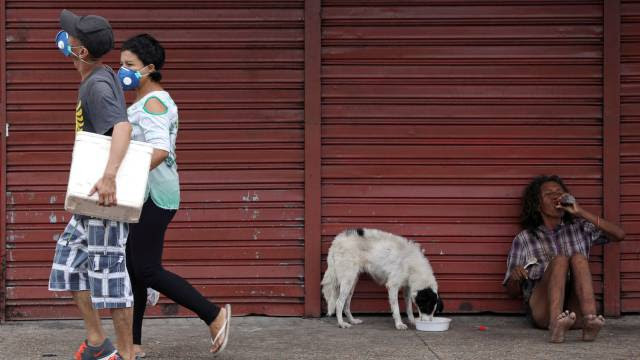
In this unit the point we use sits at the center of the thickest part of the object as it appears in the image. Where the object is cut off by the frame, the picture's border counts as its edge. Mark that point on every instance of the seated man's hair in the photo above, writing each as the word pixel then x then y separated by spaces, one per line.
pixel 530 217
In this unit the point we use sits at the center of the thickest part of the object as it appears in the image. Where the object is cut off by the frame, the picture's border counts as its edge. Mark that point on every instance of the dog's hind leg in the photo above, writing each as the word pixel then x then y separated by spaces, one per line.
pixel 346 284
pixel 393 301
pixel 330 289
pixel 407 299
pixel 347 308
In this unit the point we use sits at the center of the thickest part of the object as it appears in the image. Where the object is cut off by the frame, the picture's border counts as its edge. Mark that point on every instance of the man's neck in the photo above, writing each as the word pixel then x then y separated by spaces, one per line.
pixel 86 69
pixel 551 222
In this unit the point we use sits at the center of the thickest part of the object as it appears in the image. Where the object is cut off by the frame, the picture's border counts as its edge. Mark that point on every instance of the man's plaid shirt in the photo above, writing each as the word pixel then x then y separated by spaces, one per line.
pixel 543 244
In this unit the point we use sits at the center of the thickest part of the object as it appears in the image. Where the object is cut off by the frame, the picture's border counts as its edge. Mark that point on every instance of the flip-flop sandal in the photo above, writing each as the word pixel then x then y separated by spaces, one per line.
pixel 224 331
pixel 152 296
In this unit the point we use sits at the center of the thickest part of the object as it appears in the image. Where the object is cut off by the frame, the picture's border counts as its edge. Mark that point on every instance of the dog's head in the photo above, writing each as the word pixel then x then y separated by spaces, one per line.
pixel 428 302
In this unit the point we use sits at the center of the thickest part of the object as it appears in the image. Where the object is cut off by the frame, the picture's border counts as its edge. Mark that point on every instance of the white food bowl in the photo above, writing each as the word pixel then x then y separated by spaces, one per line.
pixel 437 324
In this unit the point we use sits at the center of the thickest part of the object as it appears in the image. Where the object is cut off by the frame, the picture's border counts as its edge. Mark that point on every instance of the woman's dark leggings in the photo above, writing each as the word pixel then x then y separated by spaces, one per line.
pixel 144 263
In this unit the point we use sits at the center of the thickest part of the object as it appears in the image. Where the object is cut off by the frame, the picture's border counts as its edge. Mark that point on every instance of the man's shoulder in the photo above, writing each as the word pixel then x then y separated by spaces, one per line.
pixel 102 78
pixel 523 236
pixel 578 222
pixel 104 71
pixel 580 225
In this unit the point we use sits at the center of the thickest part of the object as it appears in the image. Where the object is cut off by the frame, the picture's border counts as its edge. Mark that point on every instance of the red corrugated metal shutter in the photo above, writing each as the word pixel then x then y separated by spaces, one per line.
pixel 435 117
pixel 235 69
pixel 630 156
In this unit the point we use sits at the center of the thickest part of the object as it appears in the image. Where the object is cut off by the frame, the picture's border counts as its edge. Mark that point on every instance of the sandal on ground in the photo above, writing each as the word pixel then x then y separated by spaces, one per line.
pixel 140 353
pixel 224 331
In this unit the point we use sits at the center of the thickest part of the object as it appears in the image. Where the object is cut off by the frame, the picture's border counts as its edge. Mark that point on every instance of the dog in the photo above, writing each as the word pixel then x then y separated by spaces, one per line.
pixel 391 260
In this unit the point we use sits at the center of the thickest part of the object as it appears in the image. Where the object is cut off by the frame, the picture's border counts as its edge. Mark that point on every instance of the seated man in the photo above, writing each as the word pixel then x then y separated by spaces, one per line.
pixel 548 262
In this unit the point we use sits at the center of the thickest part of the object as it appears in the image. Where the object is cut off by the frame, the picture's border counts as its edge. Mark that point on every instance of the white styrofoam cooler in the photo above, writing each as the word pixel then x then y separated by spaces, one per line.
pixel 90 156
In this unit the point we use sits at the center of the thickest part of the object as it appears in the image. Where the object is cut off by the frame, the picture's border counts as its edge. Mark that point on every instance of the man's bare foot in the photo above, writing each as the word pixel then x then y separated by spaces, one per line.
pixel 217 324
pixel 591 327
pixel 138 351
pixel 560 325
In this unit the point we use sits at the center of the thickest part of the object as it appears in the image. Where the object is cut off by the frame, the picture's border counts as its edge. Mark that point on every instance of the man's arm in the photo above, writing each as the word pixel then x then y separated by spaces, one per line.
pixel 106 186
pixel 613 231
pixel 516 272
pixel 158 157
pixel 517 275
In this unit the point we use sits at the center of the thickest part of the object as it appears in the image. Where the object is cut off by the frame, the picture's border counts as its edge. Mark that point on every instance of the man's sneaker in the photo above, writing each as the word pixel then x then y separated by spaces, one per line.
pixel 115 356
pixel 106 351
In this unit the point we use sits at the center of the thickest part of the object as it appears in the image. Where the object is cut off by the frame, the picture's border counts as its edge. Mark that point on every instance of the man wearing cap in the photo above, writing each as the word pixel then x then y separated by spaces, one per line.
pixel 89 258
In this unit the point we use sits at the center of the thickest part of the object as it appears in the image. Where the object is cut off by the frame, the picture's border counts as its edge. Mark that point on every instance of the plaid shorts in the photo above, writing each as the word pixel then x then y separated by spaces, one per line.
pixel 90 255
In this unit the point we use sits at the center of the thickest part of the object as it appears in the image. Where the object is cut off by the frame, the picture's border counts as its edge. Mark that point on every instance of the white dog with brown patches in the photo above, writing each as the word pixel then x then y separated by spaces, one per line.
pixel 392 261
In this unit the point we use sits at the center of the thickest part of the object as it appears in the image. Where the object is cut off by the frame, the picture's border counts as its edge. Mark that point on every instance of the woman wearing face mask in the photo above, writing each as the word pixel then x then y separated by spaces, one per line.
pixel 154 119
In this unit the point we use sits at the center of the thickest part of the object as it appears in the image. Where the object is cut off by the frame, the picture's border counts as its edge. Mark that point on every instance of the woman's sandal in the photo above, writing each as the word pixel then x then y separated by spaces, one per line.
pixel 224 331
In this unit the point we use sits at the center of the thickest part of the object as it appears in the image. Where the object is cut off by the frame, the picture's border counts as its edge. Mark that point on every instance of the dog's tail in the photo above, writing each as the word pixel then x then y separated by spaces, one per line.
pixel 330 285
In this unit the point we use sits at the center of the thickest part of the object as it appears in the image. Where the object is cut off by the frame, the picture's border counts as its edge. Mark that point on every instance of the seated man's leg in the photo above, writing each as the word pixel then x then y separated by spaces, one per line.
pixel 547 300
pixel 583 290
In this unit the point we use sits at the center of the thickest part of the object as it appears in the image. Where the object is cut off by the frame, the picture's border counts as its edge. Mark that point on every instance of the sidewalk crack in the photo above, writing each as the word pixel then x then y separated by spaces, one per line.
pixel 428 347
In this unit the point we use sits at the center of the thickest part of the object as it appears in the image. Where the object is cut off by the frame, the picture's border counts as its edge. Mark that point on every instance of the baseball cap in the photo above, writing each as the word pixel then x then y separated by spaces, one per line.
pixel 94 32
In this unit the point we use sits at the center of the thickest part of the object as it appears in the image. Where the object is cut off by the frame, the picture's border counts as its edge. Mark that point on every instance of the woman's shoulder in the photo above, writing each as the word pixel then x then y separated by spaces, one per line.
pixel 155 106
pixel 158 103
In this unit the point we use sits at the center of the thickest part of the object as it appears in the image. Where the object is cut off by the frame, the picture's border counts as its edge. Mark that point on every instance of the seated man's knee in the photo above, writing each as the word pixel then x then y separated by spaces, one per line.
pixel 560 261
pixel 579 260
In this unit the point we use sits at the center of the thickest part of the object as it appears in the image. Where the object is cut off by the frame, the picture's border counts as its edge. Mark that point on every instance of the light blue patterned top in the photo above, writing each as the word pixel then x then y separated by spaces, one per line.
pixel 160 130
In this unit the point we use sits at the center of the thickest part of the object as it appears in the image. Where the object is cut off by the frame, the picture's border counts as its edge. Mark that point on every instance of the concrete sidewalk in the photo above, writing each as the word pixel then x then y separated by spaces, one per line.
pixel 506 337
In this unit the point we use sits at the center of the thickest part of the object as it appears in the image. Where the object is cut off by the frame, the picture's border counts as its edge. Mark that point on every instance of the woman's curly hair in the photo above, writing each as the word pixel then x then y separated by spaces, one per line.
pixel 149 51
pixel 530 217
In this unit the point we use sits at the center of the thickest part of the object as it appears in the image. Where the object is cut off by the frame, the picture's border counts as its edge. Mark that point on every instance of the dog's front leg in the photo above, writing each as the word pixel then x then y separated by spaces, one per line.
pixel 408 301
pixel 393 301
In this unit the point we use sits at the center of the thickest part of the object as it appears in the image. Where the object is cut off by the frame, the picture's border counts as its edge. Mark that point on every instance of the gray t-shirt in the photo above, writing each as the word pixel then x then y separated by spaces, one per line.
pixel 101 102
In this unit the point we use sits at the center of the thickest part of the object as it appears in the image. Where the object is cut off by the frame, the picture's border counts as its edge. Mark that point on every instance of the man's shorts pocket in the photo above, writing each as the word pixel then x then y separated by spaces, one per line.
pixel 102 262
pixel 106 239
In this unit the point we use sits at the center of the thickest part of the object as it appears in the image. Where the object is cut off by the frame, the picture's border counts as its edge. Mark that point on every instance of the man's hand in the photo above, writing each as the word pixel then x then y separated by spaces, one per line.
pixel 519 273
pixel 106 189
pixel 572 209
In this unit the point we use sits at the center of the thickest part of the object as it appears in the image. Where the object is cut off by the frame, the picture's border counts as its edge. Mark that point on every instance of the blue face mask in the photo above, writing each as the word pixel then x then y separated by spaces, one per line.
pixel 129 79
pixel 62 41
